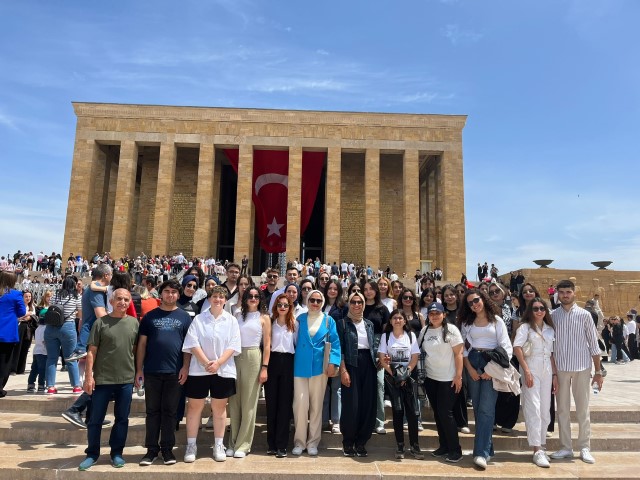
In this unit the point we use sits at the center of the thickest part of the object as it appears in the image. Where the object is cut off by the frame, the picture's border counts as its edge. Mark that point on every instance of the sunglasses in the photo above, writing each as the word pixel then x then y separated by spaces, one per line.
pixel 494 292
pixel 471 303
pixel 315 300
pixel 282 305
pixel 356 290
pixel 407 297
pixel 324 279
pixel 272 276
pixel 538 309
pixel 306 289
pixel 190 285
pixel 253 297
pixel 527 292
pixel 356 302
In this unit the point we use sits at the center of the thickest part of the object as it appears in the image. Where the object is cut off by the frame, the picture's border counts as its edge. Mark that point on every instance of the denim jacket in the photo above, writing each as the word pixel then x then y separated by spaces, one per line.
pixel 349 340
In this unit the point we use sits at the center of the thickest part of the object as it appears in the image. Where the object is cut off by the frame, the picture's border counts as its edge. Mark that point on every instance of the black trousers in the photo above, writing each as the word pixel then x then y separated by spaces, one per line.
pixel 403 404
pixel 633 347
pixel 6 349
pixel 278 394
pixel 621 347
pixel 460 414
pixel 21 350
pixel 162 395
pixel 358 414
pixel 442 398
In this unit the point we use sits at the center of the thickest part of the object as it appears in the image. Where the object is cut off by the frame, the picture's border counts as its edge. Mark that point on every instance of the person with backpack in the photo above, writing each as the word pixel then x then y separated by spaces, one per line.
pixel 60 320
pixel 398 354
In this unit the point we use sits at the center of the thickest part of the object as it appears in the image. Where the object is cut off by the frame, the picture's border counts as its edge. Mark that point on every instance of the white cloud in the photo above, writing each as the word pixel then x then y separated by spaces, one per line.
pixel 458 36
pixel 320 51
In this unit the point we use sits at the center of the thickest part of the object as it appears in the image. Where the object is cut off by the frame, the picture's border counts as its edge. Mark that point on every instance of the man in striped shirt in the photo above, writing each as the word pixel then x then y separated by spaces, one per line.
pixel 576 346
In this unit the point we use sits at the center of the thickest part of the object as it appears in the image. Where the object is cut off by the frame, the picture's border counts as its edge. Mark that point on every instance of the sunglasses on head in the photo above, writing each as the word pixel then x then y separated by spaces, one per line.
pixel 315 300
pixel 471 303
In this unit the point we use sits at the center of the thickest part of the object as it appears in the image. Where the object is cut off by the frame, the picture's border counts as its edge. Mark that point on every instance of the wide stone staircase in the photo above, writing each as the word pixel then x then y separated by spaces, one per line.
pixel 37 443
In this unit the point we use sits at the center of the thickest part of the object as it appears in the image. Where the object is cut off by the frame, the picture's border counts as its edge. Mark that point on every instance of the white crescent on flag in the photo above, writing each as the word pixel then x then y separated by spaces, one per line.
pixel 268 178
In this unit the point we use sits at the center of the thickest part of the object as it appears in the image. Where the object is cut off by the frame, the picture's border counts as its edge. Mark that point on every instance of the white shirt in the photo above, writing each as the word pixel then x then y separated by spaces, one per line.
pixel 388 302
pixel 250 329
pixel 363 340
pixel 40 348
pixel 487 337
pixel 440 362
pixel 214 336
pixel 282 340
pixel 399 349
pixel 631 327
pixel 541 342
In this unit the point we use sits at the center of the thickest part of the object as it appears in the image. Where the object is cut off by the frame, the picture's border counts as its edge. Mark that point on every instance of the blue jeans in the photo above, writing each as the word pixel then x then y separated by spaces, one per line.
pixel 83 337
pixel 38 368
pixel 484 399
pixel 332 397
pixel 100 402
pixel 54 338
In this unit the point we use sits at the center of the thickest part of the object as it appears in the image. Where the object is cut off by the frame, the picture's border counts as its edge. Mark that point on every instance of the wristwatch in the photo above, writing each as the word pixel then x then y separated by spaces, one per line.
pixel 598 372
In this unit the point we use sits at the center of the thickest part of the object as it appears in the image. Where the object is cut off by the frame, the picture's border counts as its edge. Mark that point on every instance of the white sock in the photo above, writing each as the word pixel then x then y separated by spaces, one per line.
pixel 191 441
pixel 219 440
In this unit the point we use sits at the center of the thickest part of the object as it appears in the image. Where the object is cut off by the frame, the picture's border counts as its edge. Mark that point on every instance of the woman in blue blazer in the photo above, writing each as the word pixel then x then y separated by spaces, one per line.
pixel 309 375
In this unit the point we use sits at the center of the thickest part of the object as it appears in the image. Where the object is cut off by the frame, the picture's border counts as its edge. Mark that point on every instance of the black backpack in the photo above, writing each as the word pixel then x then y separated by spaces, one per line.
pixel 55 316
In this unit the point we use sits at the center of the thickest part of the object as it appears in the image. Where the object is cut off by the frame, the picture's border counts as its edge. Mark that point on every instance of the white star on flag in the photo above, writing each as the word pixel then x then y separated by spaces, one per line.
pixel 274 228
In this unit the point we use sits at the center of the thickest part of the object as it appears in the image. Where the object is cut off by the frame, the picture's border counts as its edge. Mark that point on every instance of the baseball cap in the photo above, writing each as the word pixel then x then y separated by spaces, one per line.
pixel 435 307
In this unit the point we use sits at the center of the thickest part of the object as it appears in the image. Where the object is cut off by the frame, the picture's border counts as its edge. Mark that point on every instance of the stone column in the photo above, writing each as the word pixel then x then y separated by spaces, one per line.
pixel 432 225
pixel 294 203
pixel 164 199
pixel 423 219
pixel 204 201
pixel 244 204
pixel 372 207
pixel 454 259
pixel 410 183
pixel 332 206
pixel 83 171
pixel 123 215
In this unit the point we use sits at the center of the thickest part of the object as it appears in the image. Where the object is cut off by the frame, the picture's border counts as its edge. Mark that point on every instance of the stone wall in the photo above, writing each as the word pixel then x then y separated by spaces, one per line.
pixel 352 218
pixel 183 212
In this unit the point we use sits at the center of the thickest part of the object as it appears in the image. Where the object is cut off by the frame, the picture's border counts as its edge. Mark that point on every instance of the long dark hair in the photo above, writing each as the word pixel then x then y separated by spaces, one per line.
pixel 522 304
pixel 414 310
pixel 424 293
pixel 466 316
pixel 244 306
pixel 388 327
pixel 340 299
pixel 375 288
pixel 528 317
pixel 455 292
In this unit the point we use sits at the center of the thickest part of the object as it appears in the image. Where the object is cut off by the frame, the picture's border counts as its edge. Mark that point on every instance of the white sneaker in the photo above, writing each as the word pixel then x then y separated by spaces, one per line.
pixel 464 430
pixel 229 452
pixel 239 454
pixel 380 430
pixel 219 455
pixel 564 453
pixel 312 451
pixel 540 459
pixel 549 434
pixel 387 403
pixel 335 428
pixel 297 451
pixel 586 457
pixel 480 462
pixel 190 453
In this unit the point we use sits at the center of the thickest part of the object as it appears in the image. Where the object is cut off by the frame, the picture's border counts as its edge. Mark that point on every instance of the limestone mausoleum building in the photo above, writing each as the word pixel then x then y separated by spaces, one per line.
pixel 374 188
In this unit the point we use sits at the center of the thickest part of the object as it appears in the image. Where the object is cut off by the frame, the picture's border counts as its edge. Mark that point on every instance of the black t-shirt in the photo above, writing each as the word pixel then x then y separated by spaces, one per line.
pixel 378 315
pixel 165 332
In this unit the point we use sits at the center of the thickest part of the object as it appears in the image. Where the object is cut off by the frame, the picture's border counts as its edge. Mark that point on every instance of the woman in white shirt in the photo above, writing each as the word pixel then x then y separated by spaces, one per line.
pixel 399 349
pixel 251 370
pixel 213 339
pixel 278 390
pixel 482 330
pixel 538 369
pixel 292 291
pixel 384 285
pixel 442 344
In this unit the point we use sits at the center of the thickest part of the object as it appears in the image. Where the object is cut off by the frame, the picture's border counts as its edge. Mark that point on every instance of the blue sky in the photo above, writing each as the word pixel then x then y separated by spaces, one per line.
pixel 551 88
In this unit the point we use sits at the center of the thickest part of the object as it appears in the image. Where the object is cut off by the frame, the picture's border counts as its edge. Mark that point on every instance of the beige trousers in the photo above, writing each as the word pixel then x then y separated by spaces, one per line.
pixel 308 396
pixel 578 384
pixel 243 405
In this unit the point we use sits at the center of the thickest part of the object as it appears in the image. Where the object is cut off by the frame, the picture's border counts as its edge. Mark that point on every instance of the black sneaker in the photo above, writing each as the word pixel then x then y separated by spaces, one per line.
pixel 281 453
pixel 75 418
pixel 416 452
pixel 349 452
pixel 148 459
pixel 453 457
pixel 361 451
pixel 400 451
pixel 439 452
pixel 271 451
pixel 168 457
pixel 31 388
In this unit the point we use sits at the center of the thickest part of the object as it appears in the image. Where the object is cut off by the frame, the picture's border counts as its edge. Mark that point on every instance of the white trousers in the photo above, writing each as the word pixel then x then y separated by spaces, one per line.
pixel 537 399
pixel 308 396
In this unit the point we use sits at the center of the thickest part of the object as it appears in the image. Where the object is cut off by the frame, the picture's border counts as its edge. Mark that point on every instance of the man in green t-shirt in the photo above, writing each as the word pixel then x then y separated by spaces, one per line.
pixel 110 371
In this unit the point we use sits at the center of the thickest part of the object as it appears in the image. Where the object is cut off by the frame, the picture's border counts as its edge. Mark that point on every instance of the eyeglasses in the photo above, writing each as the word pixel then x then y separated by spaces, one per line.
pixel 253 297
pixel 306 289
pixel 190 285
pixel 471 303
pixel 408 297
pixel 538 309
pixel 494 292
pixel 527 292
pixel 282 305
pixel 356 302
pixel 317 301
pixel 272 276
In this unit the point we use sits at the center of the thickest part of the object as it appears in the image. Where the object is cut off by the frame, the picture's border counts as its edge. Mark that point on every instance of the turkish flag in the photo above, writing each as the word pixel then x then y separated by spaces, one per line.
pixel 270 192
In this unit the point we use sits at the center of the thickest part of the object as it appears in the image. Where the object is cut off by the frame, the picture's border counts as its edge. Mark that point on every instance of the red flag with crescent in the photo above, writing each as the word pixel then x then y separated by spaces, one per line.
pixel 270 192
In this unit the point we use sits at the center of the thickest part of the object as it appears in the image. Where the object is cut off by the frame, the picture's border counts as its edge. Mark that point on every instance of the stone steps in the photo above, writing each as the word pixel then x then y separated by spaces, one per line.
pixel 53 429
pixel 55 462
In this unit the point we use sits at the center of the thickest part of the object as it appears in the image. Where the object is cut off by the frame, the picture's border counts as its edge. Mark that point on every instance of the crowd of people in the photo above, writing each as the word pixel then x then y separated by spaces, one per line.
pixel 330 346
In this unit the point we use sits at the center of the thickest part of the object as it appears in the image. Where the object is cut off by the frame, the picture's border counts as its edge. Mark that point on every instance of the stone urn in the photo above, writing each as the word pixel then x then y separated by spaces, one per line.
pixel 602 265
pixel 543 263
